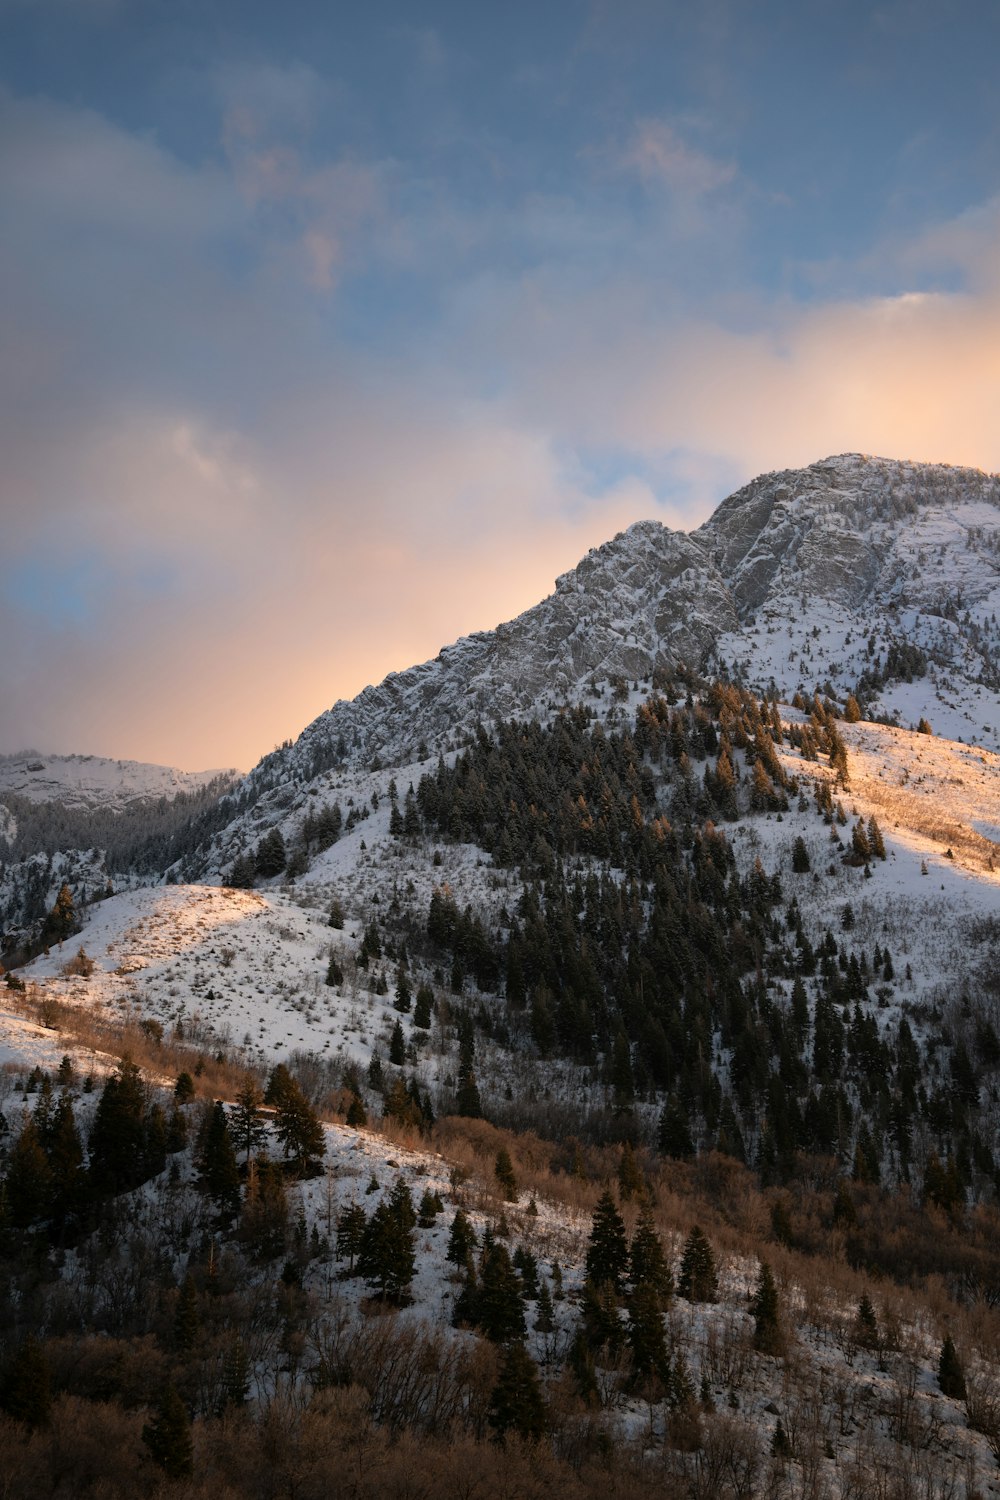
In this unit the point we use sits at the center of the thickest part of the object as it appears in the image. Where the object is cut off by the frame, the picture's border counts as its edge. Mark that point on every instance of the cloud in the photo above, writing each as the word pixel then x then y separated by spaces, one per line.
pixel 661 157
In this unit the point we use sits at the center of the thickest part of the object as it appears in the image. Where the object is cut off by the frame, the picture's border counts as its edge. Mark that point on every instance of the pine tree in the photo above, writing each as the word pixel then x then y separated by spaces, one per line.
pixel 404 998
pixel 246 1123
pixel 517 1403
pixel 674 1136
pixel 544 1318
pixel 461 1240
pixel 397 1046
pixel 218 1173
pixel 607 1252
pixel 800 857
pixel 28 1181
pixel 357 1115
pixel 386 1258
pixel 423 1007
pixel 646 1340
pixel 298 1128
pixel 334 972
pixel 503 1171
pixel 184 1088
pixel 768 1335
pixel 168 1436
pixel 647 1260
pixel 866 1323
pixel 951 1375
pixel 271 857
pixel 500 1310
pixel 698 1281
pixel 351 1223
pixel 62 921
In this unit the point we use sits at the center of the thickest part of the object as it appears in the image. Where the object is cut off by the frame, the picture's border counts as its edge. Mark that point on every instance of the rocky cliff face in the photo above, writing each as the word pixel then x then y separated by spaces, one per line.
pixel 852 570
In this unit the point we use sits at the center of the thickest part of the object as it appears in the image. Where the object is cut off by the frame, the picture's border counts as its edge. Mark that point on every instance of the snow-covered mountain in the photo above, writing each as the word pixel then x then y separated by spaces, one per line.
pixel 857 575
pixel 92 781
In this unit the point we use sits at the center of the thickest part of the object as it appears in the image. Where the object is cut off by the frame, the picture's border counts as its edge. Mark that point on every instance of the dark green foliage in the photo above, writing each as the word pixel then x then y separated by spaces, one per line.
pixel 674 1135
pixel 430 1206
pixel 503 1171
pixel 951 1375
pixel 800 856
pixel 866 1323
pixel 646 1339
pixel 168 1436
pixel 461 1240
pixel 126 1144
pixel 648 1264
pixel 218 1173
pixel 631 1183
pixel 351 1223
pixel 334 972
pixel 607 1252
pixel 184 1088
pixel 62 921
pixel 768 1334
pixel 246 1122
pixel 357 1115
pixel 386 1257
pixel 397 1046
pixel 499 1309
pixel 544 1318
pixel 264 1220
pixel 698 1281
pixel 270 858
pixel 296 1123
pixel 423 1008
pixel 517 1403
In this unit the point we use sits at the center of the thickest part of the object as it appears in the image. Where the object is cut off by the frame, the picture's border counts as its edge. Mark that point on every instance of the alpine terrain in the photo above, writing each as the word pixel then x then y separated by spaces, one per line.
pixel 575 1062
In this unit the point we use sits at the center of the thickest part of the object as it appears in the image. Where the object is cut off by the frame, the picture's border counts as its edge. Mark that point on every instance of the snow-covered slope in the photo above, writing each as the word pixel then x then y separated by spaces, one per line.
pixel 855 574
pixel 909 552
pixel 91 781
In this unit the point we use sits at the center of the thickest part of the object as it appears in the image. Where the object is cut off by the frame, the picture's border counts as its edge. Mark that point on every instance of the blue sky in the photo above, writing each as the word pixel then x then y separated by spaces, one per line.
pixel 330 332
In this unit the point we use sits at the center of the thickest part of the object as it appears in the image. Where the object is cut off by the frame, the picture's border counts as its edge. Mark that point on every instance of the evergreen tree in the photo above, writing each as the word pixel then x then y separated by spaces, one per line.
pixel 334 972
pixel 866 1323
pixel 246 1123
pixel 517 1403
pixel 119 1144
pixel 298 1128
pixel 768 1335
pixel 646 1341
pixel 607 1252
pixel 397 1046
pixel 28 1180
pixel 801 864
pixel 631 1183
pixel 218 1173
pixel 461 1239
pixel 271 857
pixel 168 1436
pixel 951 1375
pixel 674 1135
pixel 404 997
pixel 386 1259
pixel 698 1280
pixel 184 1088
pixel 351 1223
pixel 423 1008
pixel 544 1318
pixel 503 1171
pixel 62 921
pixel 264 1220
pixel 357 1115
pixel 500 1311
pixel 647 1261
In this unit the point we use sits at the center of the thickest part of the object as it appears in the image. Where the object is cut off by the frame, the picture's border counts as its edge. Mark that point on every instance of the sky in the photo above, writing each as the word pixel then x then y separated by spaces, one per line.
pixel 330 333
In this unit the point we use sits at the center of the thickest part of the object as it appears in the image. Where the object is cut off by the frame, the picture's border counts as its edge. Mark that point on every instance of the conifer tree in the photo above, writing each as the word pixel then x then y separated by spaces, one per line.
pixel 397 1046
pixel 607 1252
pixel 951 1375
pixel 357 1115
pixel 298 1128
pixel 423 1007
pixel 351 1223
pixel 646 1340
pixel 866 1323
pixel 517 1403
pixel 698 1280
pixel 647 1261
pixel 503 1171
pixel 186 1320
pixel 386 1259
pixel 768 1335
pixel 246 1123
pixel 168 1436
pixel 631 1183
pixel 544 1317
pixel 500 1310
pixel 461 1240
pixel 674 1136
pixel 218 1173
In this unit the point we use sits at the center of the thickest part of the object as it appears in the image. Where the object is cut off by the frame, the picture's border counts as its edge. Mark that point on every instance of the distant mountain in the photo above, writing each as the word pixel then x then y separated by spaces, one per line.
pixel 91 781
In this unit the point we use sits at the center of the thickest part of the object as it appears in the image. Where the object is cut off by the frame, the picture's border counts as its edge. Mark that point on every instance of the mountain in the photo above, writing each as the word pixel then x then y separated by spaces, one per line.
pixel 859 575
pixel 92 782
